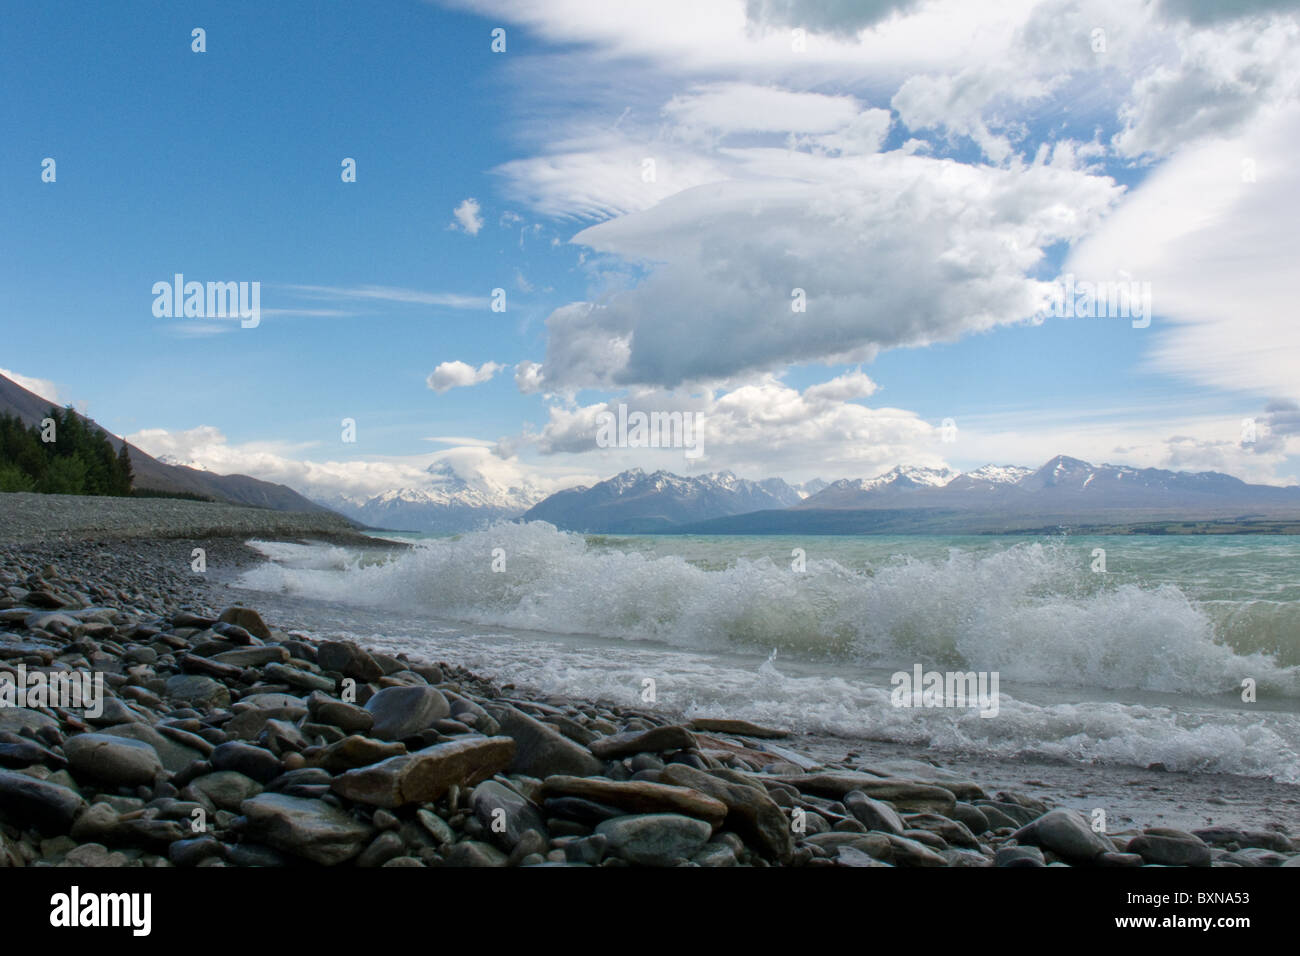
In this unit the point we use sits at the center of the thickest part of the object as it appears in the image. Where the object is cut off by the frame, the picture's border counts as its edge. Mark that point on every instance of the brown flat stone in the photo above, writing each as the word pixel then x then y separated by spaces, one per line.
pixel 352 752
pixel 638 796
pixel 737 728
pixel 655 740
pixel 427 774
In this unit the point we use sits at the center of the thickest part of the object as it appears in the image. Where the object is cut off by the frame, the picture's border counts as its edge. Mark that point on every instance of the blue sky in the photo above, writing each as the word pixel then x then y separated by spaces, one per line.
pixel 924 169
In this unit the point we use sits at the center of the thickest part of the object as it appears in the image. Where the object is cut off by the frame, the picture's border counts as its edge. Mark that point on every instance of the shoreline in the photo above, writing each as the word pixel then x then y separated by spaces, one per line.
pixel 244 722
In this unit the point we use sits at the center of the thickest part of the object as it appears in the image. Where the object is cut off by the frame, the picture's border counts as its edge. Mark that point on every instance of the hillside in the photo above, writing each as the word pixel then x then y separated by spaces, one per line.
pixel 154 475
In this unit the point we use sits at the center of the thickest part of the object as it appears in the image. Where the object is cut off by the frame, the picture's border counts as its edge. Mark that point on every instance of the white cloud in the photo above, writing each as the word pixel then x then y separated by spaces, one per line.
pixel 528 377
pixel 449 375
pixel 733 107
pixel 1219 252
pixel 473 459
pixel 1221 79
pixel 467 216
pixel 759 429
pixel 890 250
pixel 379 293
pixel 41 386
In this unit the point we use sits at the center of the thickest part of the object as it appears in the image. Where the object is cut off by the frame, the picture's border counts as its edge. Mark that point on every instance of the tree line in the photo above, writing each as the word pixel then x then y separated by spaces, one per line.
pixel 64 455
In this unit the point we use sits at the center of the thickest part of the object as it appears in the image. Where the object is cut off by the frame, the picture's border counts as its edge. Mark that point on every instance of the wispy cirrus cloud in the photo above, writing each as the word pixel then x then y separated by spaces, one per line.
pixel 379 293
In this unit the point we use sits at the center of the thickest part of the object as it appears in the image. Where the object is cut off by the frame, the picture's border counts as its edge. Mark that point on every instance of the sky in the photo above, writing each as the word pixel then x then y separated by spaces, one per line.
pixel 639 190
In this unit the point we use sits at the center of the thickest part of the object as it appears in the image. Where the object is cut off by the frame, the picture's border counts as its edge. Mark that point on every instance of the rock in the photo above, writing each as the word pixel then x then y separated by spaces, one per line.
pixel 117 761
pixel 259 764
pixel 851 856
pixel 1001 814
pixel 1168 847
pixel 737 728
pixel 401 712
pixel 1119 859
pixel 655 839
pixel 903 794
pixel 282 738
pixel 425 775
pixel 543 751
pixel 248 724
pixel 98 823
pixel 253 656
pixel 352 752
pixel 751 813
pixel 655 740
pixel 48 806
pixel 1067 834
pixel 919 771
pixel 253 854
pixel 586 812
pixel 23 753
pixel 197 690
pixel 1267 840
pixel 297 677
pixel 225 789
pixel 436 826
pixel 589 850
pixel 349 660
pixel 192 852
pixel 873 814
pixel 1019 856
pixel 505 815
pixel 16 720
pixel 638 796
pixel 875 845
pixel 474 853
pixel 387 846
pixel 349 718
pixel 94 855
pixel 908 852
pixel 175 757
pixel 248 619
pixel 975 819
pixel 1256 856
pixel 952 831
pixel 311 829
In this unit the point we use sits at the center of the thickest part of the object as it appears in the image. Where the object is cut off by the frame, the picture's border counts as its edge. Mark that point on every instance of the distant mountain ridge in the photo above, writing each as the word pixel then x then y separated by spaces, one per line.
pixel 1064 491
pixel 635 502
pixel 1061 482
pixel 152 474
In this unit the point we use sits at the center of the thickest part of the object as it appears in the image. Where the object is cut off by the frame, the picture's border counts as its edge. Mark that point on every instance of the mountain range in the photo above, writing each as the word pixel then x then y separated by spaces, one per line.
pixel 634 501
pixel 1064 492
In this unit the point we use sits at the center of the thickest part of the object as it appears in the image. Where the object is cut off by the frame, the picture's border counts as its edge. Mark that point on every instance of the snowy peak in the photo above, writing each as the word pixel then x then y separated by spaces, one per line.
pixel 633 501
pixel 449 502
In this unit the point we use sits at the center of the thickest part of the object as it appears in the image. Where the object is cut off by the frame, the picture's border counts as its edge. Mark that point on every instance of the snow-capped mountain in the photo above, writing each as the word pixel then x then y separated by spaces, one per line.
pixel 177 460
pixel 901 479
pixel 809 488
pixel 450 502
pixel 1061 484
pixel 634 501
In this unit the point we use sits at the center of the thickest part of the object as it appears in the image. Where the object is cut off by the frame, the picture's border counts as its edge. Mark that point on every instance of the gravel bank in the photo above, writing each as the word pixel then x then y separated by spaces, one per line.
pixel 29 518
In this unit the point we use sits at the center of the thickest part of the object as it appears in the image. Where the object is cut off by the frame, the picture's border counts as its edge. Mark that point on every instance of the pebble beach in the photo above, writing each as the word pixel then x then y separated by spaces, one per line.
pixel 228 739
